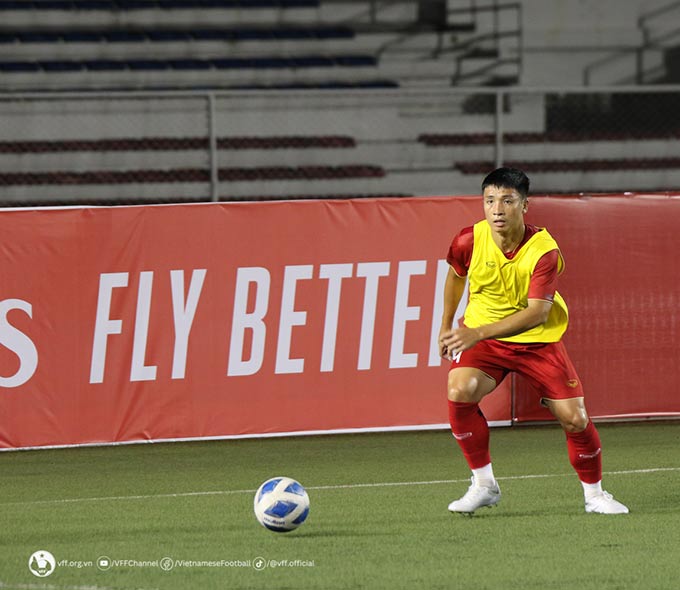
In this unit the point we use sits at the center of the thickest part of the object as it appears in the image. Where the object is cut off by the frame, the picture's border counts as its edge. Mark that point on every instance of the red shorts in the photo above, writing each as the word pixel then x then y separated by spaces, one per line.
pixel 546 366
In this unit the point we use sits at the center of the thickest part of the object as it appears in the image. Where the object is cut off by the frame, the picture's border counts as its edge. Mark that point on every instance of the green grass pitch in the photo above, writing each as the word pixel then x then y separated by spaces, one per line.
pixel 378 514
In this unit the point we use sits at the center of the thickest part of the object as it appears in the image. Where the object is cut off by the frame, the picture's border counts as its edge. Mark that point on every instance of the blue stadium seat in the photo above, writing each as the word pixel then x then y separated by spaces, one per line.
pixel 291 34
pixel 117 5
pixel 228 63
pixel 252 34
pixel 269 62
pixel 211 35
pixel 334 33
pixel 167 35
pixel 192 4
pixel 281 33
pixel 163 35
pixel 146 64
pixel 252 4
pixel 93 5
pixel 355 60
pixel 104 65
pixel 81 37
pixel 312 61
pixel 38 37
pixel 53 5
pixel 137 4
pixel 311 85
pixel 123 36
pixel 61 66
pixel 189 64
pixel 19 66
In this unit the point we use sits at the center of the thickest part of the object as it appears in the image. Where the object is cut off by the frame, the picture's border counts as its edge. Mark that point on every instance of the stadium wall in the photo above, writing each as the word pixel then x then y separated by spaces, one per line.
pixel 176 322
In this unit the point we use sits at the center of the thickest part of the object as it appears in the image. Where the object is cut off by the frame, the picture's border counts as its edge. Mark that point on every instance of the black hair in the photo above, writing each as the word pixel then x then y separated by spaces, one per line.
pixel 508 178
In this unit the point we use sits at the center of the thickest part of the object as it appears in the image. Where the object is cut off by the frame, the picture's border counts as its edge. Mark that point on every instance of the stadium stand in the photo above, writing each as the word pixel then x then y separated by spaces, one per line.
pixel 391 126
pixel 172 35
pixel 44 50
pixel 267 44
pixel 230 63
pixel 137 149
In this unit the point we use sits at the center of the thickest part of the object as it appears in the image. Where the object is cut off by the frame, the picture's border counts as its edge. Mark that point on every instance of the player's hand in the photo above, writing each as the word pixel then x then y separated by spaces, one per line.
pixel 443 348
pixel 457 340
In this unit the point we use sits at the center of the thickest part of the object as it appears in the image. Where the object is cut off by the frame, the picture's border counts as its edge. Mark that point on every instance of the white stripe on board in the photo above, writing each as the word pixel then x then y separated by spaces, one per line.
pixel 368 430
pixel 386 484
pixel 146 441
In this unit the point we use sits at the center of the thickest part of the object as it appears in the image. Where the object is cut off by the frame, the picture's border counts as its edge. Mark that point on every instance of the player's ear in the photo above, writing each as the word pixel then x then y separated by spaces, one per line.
pixel 525 206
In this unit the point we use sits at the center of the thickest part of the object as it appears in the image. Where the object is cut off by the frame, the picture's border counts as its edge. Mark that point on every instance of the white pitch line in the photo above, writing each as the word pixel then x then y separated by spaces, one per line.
pixel 386 484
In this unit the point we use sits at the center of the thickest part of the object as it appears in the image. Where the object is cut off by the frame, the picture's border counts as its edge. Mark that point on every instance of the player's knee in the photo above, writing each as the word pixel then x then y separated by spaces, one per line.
pixel 576 422
pixel 469 386
pixel 462 391
pixel 458 394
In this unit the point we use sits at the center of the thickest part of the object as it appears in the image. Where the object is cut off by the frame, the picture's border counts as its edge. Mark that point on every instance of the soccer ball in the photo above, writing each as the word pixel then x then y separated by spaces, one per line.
pixel 281 504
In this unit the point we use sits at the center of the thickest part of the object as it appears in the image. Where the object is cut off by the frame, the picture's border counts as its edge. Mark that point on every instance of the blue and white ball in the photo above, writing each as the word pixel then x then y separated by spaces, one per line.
pixel 281 504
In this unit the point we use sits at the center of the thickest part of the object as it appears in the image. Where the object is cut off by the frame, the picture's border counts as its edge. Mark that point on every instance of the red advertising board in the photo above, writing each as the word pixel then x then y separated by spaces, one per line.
pixel 622 285
pixel 238 319
pixel 167 322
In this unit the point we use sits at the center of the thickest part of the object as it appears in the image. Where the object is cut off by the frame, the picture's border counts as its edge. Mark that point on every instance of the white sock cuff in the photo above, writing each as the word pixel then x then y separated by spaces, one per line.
pixel 484 475
pixel 591 489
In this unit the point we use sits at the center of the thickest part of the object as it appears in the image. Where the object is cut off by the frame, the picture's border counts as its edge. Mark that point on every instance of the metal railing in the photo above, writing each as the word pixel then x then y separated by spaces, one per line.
pixel 634 59
pixel 479 43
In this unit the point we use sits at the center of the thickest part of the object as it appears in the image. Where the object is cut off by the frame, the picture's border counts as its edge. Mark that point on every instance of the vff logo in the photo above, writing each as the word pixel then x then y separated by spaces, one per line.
pixel 42 563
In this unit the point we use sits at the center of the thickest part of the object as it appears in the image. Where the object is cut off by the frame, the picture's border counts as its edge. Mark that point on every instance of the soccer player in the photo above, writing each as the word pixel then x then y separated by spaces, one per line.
pixel 514 321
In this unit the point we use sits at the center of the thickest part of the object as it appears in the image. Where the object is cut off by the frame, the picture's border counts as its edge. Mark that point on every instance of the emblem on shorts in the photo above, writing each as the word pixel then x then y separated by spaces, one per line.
pixel 572 383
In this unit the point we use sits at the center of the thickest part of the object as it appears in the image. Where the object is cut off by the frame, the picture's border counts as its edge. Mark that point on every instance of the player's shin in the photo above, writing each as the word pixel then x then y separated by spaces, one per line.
pixel 585 455
pixel 471 431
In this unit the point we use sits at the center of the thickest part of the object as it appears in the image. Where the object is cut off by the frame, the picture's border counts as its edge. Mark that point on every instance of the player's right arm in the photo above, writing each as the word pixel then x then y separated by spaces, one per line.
pixel 458 257
pixel 453 291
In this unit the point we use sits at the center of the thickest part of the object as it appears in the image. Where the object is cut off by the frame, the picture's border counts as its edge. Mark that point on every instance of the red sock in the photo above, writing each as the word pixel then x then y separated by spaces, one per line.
pixel 585 454
pixel 471 431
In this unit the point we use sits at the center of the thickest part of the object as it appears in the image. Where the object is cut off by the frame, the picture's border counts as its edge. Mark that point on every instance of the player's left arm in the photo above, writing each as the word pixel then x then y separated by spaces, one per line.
pixel 534 314
pixel 540 297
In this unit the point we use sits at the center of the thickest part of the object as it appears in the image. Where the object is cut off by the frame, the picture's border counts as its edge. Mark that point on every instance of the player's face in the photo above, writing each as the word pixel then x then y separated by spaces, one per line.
pixel 504 209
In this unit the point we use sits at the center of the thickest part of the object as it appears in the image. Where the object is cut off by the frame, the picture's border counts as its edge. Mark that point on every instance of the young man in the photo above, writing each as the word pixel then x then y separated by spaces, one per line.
pixel 514 321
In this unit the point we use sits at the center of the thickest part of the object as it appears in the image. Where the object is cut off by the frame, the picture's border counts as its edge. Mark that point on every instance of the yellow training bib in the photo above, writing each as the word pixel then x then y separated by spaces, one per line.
pixel 499 287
